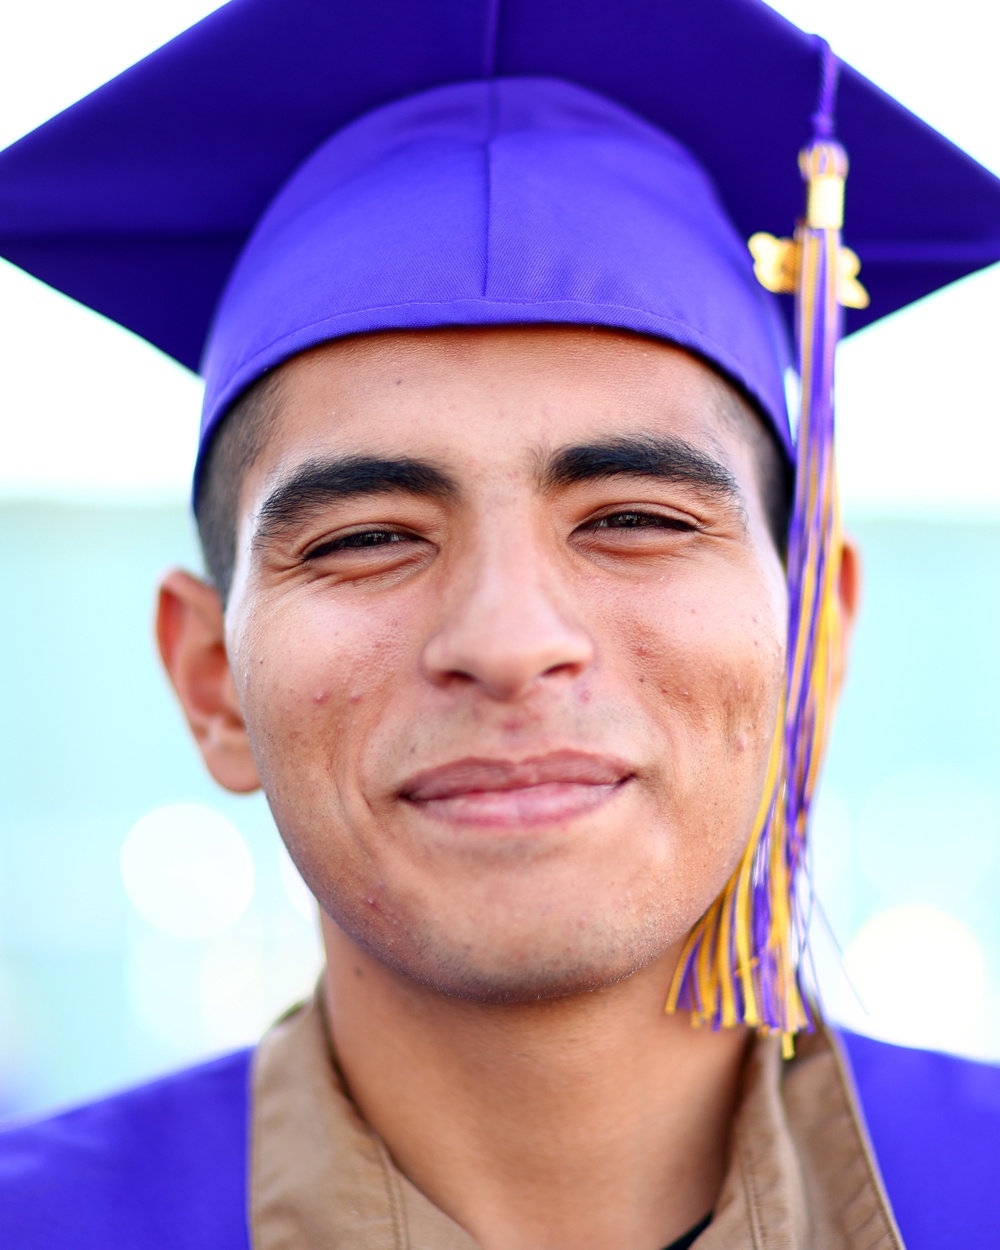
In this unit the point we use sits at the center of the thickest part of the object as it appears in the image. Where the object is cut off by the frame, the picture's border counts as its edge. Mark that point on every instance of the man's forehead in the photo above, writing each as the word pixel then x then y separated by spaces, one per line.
pixel 457 350
pixel 535 391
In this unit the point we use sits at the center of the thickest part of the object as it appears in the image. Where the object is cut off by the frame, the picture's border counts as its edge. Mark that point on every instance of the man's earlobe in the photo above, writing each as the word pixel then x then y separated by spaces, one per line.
pixel 849 598
pixel 191 634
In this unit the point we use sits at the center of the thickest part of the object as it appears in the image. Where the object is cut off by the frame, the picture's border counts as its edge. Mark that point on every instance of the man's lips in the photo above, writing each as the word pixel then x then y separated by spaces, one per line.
pixel 495 793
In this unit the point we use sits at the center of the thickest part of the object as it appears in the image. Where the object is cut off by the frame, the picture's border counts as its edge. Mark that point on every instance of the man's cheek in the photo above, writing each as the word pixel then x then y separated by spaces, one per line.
pixel 722 687
pixel 748 683
pixel 317 681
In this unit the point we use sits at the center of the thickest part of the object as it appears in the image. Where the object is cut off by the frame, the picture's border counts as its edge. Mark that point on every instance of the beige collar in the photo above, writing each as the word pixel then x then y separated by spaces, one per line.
pixel 801 1173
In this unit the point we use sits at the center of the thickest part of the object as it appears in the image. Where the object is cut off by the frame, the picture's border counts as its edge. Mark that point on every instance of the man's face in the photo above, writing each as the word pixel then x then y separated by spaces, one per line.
pixel 507 630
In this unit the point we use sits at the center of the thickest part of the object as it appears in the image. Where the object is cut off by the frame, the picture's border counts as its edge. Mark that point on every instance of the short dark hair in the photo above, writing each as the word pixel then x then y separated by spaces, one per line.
pixel 243 432
pixel 777 483
pixel 775 474
pixel 239 439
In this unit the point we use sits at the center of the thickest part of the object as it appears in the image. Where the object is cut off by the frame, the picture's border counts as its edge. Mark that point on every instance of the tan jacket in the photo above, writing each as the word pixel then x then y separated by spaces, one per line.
pixel 800 1175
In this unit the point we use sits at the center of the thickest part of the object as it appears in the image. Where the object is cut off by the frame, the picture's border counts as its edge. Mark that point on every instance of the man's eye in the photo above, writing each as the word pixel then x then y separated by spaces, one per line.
pixel 363 540
pixel 640 520
pixel 369 538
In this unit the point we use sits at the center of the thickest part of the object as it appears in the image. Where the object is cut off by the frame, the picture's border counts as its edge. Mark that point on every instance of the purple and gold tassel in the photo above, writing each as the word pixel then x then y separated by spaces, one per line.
pixel 741 961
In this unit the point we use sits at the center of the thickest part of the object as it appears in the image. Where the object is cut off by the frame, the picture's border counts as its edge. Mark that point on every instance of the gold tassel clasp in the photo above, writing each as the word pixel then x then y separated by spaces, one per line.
pixel 776 261
pixel 776 265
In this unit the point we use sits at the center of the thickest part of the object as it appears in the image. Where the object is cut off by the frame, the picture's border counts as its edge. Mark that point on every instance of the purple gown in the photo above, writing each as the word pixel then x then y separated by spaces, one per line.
pixel 164 1167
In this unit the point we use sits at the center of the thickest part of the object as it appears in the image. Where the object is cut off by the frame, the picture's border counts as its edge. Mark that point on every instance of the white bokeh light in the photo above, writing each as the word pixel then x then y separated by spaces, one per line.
pixel 187 871
pixel 242 987
pixel 921 979
pixel 224 991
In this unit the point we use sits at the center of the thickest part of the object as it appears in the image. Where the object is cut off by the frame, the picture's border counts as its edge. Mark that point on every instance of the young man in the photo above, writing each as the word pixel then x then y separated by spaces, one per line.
pixel 505 614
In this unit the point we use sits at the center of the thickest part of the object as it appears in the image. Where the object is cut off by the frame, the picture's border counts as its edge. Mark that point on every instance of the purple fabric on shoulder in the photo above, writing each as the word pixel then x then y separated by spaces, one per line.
pixel 161 1167
pixel 935 1125
pixel 164 1167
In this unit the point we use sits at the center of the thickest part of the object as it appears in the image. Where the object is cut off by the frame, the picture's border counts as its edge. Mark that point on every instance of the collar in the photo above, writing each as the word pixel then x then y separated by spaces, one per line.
pixel 801 1174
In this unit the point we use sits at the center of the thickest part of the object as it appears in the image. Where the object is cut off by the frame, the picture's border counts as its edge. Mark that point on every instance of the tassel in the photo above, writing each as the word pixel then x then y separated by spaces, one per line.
pixel 741 962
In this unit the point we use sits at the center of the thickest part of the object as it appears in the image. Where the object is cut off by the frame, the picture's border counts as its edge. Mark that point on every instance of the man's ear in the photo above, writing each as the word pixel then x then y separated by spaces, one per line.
pixel 191 633
pixel 849 599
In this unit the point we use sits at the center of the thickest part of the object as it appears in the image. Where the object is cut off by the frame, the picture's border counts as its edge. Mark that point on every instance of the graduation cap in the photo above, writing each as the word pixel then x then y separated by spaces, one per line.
pixel 292 171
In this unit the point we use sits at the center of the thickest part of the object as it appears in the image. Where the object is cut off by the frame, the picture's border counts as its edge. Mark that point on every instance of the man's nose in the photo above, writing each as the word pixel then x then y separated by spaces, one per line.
pixel 508 623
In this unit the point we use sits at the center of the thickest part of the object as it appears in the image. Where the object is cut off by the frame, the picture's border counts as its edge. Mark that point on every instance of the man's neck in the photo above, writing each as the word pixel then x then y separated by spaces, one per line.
pixel 593 1123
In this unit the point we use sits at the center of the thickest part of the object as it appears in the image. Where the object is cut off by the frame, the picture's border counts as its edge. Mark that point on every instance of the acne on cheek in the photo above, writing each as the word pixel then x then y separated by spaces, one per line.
pixel 334 680
pixel 322 697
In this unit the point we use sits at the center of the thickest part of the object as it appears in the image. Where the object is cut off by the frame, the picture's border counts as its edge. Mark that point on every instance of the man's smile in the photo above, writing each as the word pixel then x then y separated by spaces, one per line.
pixel 500 793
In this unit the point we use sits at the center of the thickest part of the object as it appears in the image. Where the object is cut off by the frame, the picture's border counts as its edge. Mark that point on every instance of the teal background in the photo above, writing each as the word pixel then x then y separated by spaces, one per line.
pixel 92 997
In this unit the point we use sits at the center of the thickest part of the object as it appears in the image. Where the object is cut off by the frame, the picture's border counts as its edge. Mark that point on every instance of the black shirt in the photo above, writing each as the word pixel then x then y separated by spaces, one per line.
pixel 682 1243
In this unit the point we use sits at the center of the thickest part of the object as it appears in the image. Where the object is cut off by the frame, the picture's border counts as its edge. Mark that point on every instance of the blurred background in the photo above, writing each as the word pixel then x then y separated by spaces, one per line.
pixel 148 919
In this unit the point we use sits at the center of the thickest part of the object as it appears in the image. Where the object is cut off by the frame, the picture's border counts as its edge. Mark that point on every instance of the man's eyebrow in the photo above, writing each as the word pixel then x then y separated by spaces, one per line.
pixel 664 457
pixel 318 483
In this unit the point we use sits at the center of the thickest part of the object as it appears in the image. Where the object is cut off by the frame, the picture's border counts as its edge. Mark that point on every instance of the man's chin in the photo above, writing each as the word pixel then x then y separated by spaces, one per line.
pixel 517 979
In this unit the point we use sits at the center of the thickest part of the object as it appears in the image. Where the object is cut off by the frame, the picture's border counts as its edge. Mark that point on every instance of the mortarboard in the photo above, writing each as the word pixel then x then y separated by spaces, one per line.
pixel 290 171
pixel 138 200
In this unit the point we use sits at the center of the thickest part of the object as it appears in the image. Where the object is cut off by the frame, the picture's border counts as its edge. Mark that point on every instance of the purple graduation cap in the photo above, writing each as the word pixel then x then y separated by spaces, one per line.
pixel 291 171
